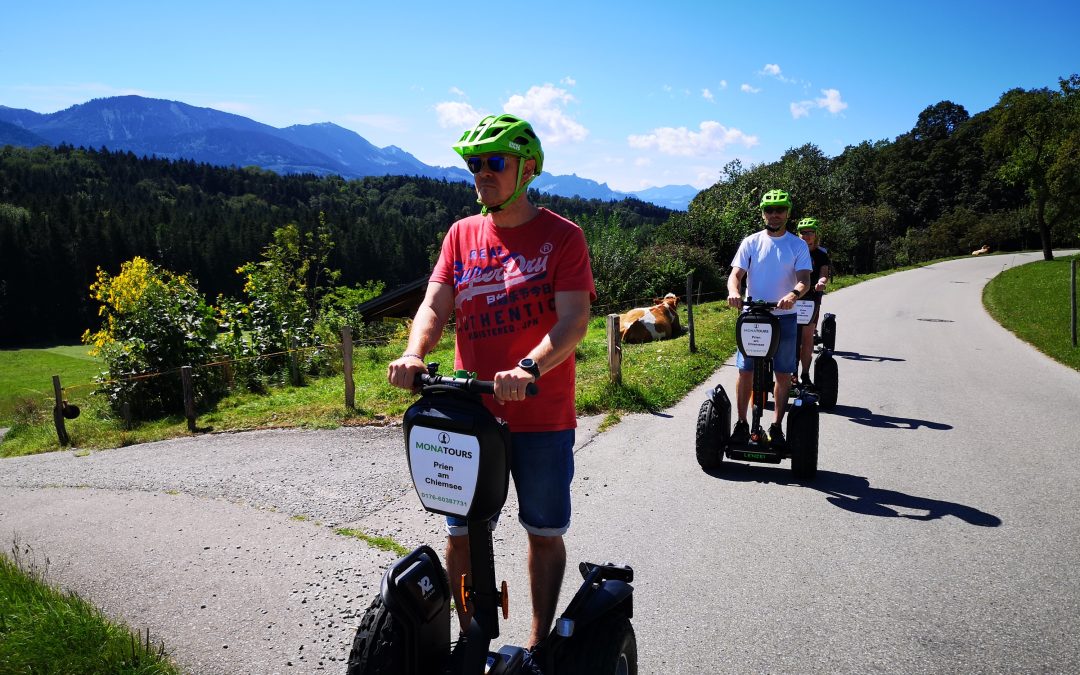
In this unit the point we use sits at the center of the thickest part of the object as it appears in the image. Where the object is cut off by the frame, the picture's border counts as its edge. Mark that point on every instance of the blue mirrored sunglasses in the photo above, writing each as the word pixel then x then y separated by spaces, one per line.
pixel 495 163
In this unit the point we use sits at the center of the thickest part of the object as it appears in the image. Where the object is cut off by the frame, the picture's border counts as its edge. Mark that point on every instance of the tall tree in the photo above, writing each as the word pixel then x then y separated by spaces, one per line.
pixel 1037 132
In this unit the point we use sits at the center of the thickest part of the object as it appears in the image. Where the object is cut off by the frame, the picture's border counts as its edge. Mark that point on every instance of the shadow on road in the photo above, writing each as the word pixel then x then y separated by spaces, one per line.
pixel 867 418
pixel 855 494
pixel 856 356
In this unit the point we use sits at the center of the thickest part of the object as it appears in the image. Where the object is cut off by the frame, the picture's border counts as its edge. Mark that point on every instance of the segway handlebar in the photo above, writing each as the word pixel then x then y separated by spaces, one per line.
pixel 468 384
pixel 751 304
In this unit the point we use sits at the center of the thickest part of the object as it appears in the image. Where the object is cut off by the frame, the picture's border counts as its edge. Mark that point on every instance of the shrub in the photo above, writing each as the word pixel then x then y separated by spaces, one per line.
pixel 153 322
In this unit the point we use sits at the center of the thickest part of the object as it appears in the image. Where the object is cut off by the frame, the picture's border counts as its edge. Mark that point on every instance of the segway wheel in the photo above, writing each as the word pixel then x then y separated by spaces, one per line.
pixel 379 647
pixel 826 380
pixel 711 437
pixel 608 647
pixel 802 438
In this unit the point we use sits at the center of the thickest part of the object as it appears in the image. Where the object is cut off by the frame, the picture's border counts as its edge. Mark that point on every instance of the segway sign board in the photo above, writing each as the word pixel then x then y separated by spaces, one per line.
pixel 756 338
pixel 444 466
pixel 805 308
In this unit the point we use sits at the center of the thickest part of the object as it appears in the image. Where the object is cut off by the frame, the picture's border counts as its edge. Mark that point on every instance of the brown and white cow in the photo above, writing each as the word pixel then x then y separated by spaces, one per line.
pixel 980 251
pixel 644 324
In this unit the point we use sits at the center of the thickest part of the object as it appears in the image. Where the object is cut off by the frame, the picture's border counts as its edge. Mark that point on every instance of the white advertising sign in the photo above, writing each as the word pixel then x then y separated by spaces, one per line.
pixel 756 338
pixel 444 467
pixel 805 309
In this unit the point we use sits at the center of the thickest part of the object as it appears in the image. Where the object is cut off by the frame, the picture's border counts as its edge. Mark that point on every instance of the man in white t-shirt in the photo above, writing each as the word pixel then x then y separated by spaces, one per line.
pixel 776 265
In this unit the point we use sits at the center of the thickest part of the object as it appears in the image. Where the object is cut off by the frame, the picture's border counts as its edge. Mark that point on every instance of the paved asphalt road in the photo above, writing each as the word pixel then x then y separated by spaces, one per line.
pixel 940 536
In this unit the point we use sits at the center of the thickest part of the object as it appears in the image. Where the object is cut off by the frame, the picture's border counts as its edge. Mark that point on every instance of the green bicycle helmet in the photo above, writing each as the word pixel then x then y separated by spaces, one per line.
pixel 504 134
pixel 775 198
pixel 808 224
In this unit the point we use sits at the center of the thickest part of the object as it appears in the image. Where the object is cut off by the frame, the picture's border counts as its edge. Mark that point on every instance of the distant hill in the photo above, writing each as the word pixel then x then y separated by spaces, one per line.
pixel 176 130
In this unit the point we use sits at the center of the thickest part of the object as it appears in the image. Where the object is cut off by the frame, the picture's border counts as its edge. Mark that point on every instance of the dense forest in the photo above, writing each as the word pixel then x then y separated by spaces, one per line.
pixel 954 182
pixel 66 211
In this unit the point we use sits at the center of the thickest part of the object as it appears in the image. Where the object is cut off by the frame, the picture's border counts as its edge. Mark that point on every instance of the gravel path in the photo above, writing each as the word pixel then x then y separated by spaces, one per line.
pixel 224 546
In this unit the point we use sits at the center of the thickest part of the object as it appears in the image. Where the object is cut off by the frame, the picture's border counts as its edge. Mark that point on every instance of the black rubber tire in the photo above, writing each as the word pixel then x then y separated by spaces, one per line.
pixel 378 648
pixel 709 439
pixel 608 647
pixel 802 438
pixel 826 380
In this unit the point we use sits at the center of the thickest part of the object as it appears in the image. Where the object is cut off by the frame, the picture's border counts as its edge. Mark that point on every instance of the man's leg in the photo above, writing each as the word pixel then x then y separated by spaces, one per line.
pixel 743 388
pixel 806 346
pixel 547 563
pixel 457 563
pixel 780 392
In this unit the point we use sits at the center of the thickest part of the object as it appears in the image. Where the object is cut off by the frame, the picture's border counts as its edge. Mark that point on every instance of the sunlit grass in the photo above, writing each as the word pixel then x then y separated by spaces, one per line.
pixel 1033 302
pixel 44 630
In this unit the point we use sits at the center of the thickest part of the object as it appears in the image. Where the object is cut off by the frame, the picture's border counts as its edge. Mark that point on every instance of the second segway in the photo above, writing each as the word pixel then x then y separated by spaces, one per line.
pixel 757 334
pixel 826 376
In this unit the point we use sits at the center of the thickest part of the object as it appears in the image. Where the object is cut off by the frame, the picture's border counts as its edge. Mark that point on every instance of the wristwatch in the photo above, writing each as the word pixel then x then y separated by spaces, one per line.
pixel 530 366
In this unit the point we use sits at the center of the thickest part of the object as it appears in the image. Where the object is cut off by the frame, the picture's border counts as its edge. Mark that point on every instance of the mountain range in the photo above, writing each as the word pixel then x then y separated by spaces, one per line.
pixel 175 130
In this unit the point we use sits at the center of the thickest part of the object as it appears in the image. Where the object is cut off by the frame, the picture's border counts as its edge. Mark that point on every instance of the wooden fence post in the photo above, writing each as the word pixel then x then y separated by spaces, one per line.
pixel 1072 286
pixel 294 364
pixel 125 415
pixel 189 397
pixel 690 310
pixel 614 348
pixel 58 412
pixel 346 366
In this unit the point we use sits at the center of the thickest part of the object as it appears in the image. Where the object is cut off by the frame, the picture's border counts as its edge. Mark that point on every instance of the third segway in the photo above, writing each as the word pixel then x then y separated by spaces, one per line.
pixel 826 377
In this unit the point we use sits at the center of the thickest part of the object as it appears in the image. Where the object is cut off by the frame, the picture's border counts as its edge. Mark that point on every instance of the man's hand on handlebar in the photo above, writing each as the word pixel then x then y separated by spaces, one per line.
pixel 788 301
pixel 734 300
pixel 510 384
pixel 402 372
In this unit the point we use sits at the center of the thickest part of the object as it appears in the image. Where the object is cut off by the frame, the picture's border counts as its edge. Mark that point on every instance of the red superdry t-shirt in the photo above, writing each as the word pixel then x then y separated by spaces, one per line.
pixel 505 280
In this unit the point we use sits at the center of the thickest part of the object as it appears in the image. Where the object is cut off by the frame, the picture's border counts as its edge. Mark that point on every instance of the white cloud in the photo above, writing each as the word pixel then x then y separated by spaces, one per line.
pixel 831 101
pixel 544 108
pixel 801 109
pixel 643 161
pixel 748 89
pixel 707 95
pixel 453 114
pixel 568 81
pixel 771 69
pixel 723 84
pixel 457 92
pixel 713 137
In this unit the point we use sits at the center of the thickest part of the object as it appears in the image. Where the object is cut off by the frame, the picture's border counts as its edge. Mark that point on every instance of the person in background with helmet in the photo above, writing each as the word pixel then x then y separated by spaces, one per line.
pixel 776 266
pixel 519 281
pixel 810 231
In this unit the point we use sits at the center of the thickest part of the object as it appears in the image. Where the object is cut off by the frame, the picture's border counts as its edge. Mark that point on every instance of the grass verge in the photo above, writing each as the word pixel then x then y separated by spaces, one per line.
pixel 1032 301
pixel 43 630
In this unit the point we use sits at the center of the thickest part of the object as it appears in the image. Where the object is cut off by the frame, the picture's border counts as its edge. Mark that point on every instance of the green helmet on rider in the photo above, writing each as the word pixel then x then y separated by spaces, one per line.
pixel 774 198
pixel 808 225
pixel 772 201
pixel 504 135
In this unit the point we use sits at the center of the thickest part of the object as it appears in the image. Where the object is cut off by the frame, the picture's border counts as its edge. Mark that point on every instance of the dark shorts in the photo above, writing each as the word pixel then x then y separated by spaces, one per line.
pixel 542 465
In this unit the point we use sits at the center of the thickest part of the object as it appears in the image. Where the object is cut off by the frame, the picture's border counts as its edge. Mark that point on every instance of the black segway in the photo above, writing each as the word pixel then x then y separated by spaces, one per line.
pixel 826 376
pixel 459 459
pixel 757 333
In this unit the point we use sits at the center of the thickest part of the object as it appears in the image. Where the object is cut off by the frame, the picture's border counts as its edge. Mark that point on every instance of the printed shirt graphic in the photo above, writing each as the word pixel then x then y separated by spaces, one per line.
pixel 505 280
pixel 770 264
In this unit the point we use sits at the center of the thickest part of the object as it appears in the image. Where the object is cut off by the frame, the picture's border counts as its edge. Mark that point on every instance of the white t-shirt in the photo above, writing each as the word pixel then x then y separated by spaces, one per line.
pixel 770 264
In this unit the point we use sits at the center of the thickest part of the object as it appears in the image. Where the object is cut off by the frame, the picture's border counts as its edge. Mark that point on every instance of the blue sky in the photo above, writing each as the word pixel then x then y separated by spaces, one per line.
pixel 633 94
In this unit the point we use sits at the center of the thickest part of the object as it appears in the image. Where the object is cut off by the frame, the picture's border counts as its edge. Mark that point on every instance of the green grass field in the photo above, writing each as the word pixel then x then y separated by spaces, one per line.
pixel 1033 302
pixel 26 376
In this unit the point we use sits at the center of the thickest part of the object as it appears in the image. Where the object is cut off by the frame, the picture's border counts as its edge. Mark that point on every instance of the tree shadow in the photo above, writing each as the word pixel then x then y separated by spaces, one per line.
pixel 866 417
pixel 856 356
pixel 855 494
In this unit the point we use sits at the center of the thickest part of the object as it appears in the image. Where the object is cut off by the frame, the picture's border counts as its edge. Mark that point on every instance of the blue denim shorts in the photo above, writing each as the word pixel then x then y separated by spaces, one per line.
pixel 784 358
pixel 542 464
